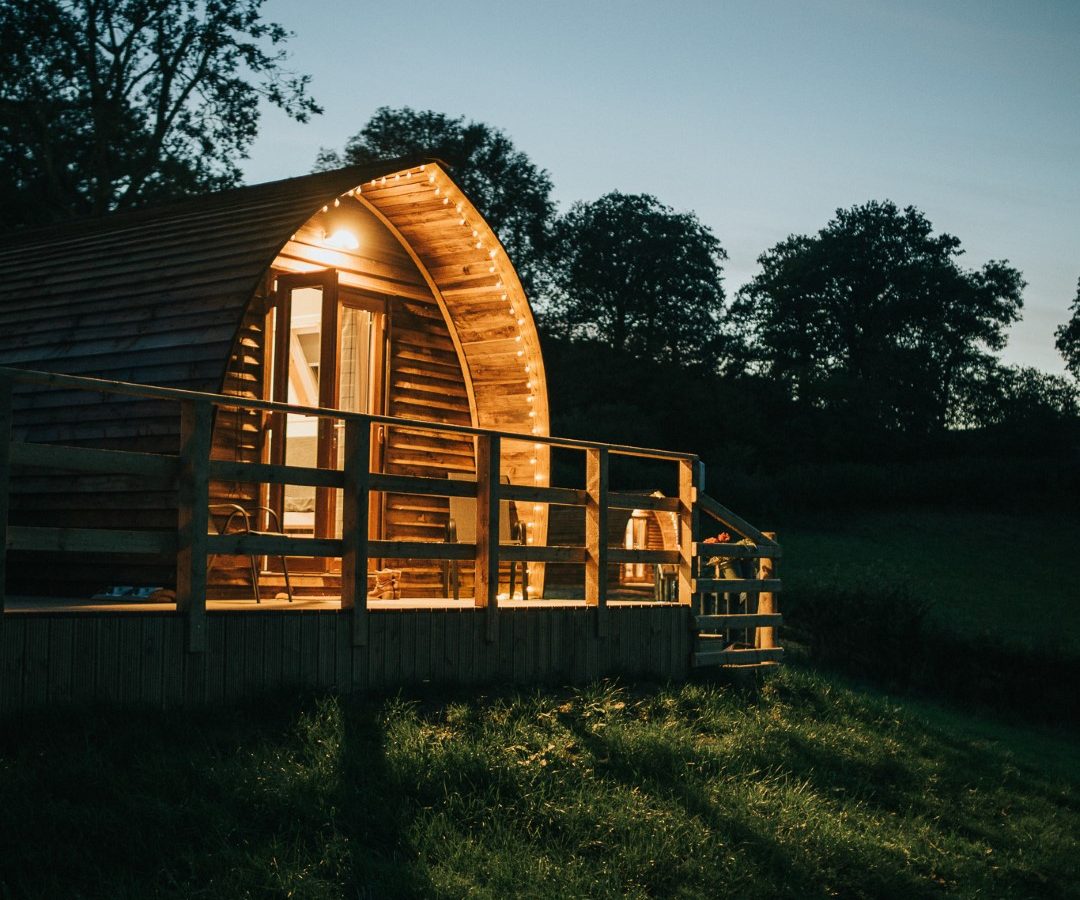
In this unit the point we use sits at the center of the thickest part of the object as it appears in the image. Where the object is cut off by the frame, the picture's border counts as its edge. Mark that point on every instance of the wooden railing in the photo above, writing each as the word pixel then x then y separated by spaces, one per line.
pixel 756 622
pixel 193 469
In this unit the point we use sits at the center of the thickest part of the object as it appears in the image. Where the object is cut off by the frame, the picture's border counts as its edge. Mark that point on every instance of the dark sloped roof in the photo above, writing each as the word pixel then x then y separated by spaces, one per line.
pixel 153 295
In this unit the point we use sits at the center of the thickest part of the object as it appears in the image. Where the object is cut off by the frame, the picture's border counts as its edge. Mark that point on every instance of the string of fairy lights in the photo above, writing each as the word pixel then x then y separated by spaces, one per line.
pixel 516 307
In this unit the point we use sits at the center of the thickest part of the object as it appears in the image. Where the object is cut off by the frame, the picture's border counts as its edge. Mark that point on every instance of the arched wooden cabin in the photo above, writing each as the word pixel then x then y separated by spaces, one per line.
pixel 374 289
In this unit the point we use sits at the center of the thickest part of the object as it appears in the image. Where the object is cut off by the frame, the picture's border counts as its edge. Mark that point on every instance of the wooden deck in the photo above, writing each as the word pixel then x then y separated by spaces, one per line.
pixel 201 650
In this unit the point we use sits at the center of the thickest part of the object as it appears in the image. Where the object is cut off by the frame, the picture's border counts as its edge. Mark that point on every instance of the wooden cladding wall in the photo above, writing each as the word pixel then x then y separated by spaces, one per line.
pixel 156 297
pixel 238 436
pixel 138 659
pixel 427 383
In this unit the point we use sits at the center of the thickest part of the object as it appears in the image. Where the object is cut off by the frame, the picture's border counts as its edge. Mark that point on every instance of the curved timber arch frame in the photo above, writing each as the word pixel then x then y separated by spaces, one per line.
pixel 474 284
pixel 489 317
pixel 439 299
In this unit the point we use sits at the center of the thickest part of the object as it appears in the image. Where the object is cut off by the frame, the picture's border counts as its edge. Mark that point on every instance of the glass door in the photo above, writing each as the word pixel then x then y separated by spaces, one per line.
pixel 360 370
pixel 327 352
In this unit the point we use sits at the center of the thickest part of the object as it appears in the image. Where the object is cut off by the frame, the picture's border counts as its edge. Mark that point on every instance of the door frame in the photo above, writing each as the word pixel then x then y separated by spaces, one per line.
pixel 285 284
pixel 276 387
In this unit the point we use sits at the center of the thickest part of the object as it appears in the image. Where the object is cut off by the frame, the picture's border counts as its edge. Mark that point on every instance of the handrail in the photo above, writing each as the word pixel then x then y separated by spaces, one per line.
pixel 725 516
pixel 127 388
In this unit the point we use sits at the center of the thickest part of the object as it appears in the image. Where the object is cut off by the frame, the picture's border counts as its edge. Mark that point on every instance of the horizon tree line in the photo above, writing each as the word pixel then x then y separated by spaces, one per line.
pixel 121 103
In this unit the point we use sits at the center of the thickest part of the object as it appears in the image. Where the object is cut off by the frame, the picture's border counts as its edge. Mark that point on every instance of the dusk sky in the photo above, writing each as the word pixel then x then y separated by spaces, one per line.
pixel 762 117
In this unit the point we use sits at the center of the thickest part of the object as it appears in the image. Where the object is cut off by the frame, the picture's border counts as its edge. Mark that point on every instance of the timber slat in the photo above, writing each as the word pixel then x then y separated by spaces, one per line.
pixel 735 585
pixel 415 484
pixel 556 495
pixel 86 459
pixel 639 501
pixel 419 550
pixel 272 545
pixel 228 470
pixel 739 620
pixel 725 516
pixel 530 553
pixel 90 540
pixel 737 551
pixel 622 555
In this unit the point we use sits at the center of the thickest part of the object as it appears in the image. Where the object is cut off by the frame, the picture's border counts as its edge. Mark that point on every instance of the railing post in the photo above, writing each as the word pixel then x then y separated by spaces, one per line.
pixel 691 481
pixel 765 638
pixel 193 493
pixel 596 535
pixel 354 526
pixel 5 479
pixel 488 454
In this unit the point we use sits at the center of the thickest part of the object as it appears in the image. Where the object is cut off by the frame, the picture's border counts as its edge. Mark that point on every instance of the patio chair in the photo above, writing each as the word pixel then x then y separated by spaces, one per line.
pixel 236 512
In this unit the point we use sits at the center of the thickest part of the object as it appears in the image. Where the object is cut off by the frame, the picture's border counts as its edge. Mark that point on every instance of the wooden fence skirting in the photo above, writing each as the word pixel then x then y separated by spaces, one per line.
pixel 140 659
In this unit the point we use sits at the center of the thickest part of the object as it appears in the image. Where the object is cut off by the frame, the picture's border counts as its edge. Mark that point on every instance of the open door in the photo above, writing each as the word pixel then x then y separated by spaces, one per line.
pixel 328 351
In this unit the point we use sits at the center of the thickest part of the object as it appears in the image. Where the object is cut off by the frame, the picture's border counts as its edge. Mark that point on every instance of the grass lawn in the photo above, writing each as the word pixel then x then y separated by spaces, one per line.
pixel 1017 577
pixel 814 788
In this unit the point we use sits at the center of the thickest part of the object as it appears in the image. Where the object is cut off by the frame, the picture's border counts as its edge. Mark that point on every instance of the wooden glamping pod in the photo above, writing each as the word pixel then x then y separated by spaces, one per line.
pixel 328 386
pixel 375 289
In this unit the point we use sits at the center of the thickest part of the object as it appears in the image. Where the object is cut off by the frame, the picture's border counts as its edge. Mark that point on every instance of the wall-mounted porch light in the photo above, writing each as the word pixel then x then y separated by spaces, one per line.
pixel 341 239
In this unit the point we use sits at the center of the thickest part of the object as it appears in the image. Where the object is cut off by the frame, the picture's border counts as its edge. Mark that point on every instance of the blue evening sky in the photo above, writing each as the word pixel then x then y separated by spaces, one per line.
pixel 762 117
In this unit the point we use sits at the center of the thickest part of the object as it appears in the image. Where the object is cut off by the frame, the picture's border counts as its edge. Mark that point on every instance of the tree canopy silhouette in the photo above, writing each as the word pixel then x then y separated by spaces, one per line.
pixel 108 104
pixel 874 316
pixel 511 192
pixel 1067 337
pixel 641 278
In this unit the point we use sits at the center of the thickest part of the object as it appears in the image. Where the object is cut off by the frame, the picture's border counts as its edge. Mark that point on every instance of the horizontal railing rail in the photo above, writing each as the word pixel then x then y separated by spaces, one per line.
pixel 123 388
pixel 192 542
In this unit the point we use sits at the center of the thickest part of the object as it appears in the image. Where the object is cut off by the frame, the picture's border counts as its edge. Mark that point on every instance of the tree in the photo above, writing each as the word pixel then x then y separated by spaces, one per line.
pixel 638 276
pixel 1068 337
pixel 106 104
pixel 1016 396
pixel 509 190
pixel 873 316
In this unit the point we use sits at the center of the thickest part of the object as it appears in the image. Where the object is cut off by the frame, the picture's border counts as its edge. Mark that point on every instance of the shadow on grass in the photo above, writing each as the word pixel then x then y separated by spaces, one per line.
pixel 286 797
pixel 662 771
pixel 811 787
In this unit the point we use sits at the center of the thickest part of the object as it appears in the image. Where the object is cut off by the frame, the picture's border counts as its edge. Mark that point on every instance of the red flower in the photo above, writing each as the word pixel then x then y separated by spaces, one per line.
pixel 723 537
